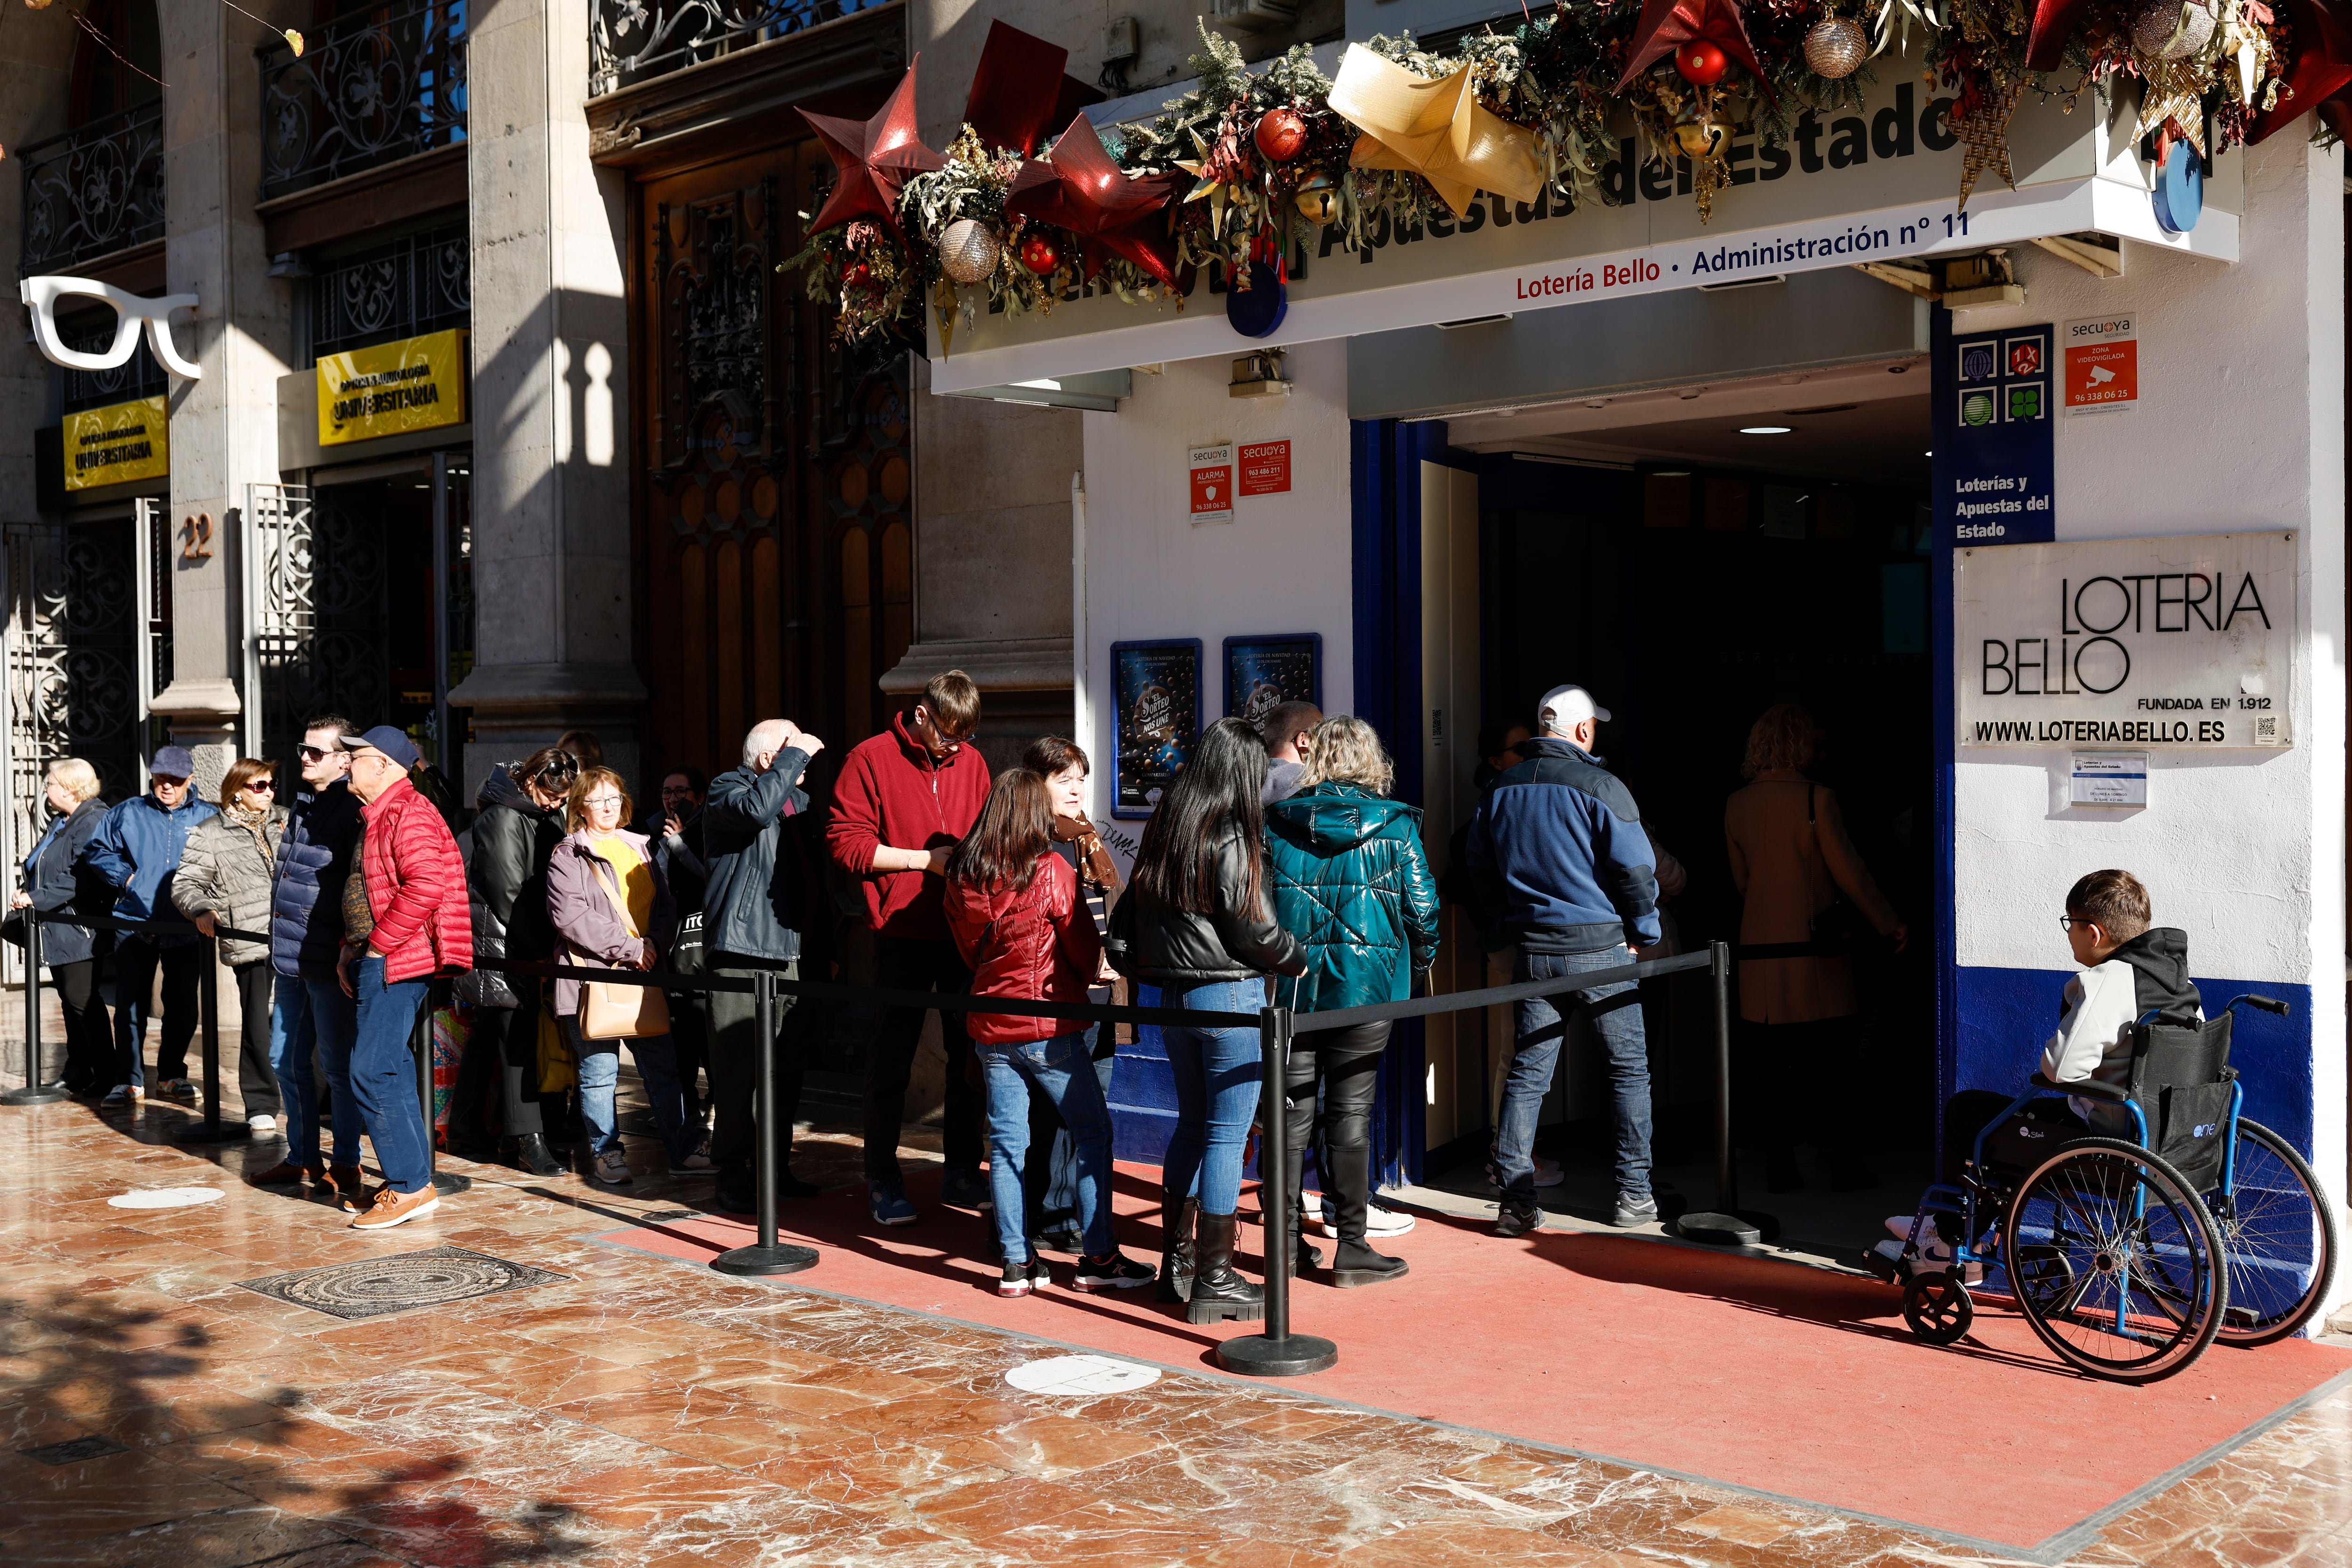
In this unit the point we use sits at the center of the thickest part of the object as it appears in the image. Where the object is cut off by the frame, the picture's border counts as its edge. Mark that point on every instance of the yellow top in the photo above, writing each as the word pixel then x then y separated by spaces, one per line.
pixel 636 877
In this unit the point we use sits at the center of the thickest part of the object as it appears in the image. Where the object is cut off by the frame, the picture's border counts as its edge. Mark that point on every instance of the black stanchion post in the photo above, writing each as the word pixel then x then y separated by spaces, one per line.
pixel 1726 1224
pixel 37 1091
pixel 211 1130
pixel 1278 1352
pixel 767 1256
pixel 420 1040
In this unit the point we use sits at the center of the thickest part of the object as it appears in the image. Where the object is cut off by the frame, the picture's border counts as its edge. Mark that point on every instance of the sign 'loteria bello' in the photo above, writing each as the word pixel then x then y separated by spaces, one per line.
pixel 1875 183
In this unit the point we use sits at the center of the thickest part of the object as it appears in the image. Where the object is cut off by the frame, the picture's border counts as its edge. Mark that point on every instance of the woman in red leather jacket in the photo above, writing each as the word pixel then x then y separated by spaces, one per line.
pixel 1013 910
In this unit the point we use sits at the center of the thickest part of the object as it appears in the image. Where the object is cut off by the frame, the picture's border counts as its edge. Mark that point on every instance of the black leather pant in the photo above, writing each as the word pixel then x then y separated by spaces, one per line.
pixel 1348 1064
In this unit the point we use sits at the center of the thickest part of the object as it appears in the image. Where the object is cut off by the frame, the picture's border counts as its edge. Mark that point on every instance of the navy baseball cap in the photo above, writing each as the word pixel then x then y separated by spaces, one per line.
pixel 174 762
pixel 391 741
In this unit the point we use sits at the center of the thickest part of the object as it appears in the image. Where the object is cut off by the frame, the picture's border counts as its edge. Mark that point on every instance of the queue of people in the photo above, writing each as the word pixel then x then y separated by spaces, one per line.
pixel 1276 866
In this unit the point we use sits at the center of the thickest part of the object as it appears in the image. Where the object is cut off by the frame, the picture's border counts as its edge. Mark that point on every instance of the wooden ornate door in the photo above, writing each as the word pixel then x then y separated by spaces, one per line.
pixel 773 515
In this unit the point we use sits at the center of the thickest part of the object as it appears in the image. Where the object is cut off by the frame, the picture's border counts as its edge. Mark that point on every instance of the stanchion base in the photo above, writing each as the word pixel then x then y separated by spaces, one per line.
pixel 1294 1355
pixel 1767 1225
pixel 448 1186
pixel 1718 1229
pixel 781 1259
pixel 211 1132
pixel 35 1094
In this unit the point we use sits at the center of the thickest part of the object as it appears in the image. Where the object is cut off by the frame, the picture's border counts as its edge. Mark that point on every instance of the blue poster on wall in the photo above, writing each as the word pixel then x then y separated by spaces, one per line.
pixel 1264 672
pixel 1157 720
pixel 1996 460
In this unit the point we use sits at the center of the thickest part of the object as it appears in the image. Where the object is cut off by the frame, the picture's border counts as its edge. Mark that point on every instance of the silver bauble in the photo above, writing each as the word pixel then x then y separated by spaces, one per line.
pixel 2154 25
pixel 968 250
pixel 1836 46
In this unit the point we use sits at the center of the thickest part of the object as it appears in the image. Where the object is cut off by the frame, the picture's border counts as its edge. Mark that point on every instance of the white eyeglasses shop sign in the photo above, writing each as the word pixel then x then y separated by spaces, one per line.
pixel 2184 643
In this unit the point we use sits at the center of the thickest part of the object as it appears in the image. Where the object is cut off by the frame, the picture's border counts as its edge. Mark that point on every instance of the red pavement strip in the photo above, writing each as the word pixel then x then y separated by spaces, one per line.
pixel 1783 1379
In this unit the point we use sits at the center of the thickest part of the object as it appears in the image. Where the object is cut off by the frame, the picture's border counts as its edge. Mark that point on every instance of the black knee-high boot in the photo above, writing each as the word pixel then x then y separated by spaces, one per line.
pixel 1351 1193
pixel 1217 1291
pixel 1177 1214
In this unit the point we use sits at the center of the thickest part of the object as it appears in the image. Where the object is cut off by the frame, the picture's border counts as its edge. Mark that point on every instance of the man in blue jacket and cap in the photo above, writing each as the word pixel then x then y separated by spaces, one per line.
pixel 137 849
pixel 1557 845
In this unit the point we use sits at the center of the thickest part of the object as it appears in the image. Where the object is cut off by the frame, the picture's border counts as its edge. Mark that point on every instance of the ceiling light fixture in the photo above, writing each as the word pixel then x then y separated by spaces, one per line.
pixel 1764 430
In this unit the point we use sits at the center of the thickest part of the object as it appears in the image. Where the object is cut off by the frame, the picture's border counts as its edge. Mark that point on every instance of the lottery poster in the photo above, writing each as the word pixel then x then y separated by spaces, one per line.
pixel 1158 686
pixel 1264 672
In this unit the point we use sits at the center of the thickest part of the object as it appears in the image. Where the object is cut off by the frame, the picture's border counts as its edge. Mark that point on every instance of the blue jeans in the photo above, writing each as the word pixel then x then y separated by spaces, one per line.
pixel 311 1027
pixel 384 1076
pixel 600 1071
pixel 1061 1070
pixel 1049 1174
pixel 1615 1014
pixel 1218 1072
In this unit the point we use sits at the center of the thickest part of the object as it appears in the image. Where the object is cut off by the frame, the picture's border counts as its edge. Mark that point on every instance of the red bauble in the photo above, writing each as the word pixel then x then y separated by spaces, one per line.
pixel 1281 134
pixel 1701 63
pixel 1038 255
pixel 855 274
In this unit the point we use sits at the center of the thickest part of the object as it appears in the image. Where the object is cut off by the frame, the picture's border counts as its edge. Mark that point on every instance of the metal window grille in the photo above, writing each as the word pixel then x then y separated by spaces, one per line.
pixel 629 40
pixel 93 191
pixel 423 283
pixel 368 91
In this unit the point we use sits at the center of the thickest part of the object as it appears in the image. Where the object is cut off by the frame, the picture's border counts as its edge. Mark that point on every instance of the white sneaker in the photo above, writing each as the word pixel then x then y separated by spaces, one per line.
pixel 1898 1225
pixel 1378 1221
pixel 261 1123
pixel 699 1160
pixel 613 1168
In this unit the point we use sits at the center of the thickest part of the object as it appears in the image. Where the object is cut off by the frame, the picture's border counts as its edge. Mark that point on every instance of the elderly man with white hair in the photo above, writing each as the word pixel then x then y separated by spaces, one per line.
pixel 753 914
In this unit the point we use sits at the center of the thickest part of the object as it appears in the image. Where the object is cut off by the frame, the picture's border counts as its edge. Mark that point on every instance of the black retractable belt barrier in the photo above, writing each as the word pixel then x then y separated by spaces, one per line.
pixel 767 1256
pixel 1726 1224
pixel 37 1091
pixel 1278 1352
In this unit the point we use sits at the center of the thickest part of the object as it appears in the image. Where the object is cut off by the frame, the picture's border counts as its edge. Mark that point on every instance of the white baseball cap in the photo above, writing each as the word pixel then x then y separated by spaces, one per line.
pixel 1563 708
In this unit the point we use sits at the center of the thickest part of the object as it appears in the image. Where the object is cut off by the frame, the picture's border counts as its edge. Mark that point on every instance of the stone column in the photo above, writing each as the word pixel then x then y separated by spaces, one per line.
pixel 35 70
pixel 224 425
pixel 552 547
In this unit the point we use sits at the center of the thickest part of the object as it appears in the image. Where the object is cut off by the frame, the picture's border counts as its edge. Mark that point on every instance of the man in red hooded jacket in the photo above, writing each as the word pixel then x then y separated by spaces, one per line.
pixel 904 798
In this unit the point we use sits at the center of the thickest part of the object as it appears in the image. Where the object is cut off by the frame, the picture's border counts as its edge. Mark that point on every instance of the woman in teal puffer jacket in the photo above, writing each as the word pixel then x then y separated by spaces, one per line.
pixel 1351 883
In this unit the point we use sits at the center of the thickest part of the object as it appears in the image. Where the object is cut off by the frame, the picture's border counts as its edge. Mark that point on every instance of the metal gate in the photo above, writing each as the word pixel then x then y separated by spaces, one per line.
pixel 74 659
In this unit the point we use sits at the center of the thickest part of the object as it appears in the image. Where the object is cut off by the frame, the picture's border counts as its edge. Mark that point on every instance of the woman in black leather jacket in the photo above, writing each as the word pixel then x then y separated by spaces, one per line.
pixel 1198 921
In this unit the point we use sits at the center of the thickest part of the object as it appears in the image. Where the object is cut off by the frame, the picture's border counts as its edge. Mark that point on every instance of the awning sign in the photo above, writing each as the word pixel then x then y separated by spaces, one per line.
pixel 2102 364
pixel 2182 643
pixel 121 442
pixel 416 383
pixel 1211 472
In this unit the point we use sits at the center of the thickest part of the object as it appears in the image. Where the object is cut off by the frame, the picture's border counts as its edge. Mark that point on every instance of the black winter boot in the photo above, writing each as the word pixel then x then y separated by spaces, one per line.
pixel 531 1153
pixel 1218 1292
pixel 1304 1258
pixel 1176 1216
pixel 1354 1264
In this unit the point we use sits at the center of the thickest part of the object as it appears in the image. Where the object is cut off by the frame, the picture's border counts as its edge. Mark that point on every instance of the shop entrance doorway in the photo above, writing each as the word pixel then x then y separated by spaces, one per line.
pixel 1693 572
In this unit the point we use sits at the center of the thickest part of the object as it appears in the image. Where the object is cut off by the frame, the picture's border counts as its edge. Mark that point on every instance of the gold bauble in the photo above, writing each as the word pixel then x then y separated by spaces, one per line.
pixel 2153 27
pixel 968 250
pixel 1702 138
pixel 1317 199
pixel 1836 48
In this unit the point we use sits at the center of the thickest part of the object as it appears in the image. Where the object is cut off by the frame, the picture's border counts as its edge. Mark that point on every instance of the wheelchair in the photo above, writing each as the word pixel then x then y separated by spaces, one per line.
pixel 2130 1256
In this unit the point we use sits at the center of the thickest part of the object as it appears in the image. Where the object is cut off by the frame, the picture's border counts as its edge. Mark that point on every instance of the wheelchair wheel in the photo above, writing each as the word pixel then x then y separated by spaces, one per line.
pixel 1938 1308
pixel 2278 1239
pixel 2120 1267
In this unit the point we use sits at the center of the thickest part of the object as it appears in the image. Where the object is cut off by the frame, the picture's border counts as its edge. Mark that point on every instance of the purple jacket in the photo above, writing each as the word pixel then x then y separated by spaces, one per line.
pixel 589 927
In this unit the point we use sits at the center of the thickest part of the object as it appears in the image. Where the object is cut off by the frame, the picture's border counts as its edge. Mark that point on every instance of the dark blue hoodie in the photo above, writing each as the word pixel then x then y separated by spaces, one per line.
pixel 1557 844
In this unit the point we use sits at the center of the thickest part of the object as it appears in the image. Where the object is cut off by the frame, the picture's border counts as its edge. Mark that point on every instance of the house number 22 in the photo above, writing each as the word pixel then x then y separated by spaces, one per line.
pixel 199 532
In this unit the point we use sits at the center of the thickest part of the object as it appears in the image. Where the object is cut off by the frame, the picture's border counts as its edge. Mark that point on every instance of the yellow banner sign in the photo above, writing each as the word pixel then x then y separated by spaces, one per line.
pixel 121 441
pixel 416 383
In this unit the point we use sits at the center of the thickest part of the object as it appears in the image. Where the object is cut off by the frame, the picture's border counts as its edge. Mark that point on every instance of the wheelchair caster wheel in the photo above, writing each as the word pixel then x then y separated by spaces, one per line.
pixel 1938 1308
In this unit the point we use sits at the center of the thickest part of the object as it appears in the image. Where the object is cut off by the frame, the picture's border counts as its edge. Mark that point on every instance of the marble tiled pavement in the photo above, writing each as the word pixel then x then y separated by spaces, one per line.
pixel 644 1412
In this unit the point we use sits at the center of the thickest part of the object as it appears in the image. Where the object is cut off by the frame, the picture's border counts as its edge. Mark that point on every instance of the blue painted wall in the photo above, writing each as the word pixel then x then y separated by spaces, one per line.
pixel 2004 1017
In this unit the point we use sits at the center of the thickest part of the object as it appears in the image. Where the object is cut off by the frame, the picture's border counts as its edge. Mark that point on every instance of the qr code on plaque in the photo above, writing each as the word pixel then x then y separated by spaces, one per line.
pixel 2266 726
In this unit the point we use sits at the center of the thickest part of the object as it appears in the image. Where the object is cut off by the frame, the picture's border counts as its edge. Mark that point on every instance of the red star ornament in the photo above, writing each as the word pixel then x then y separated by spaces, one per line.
pixel 2054 24
pixel 1112 212
pixel 2321 68
pixel 874 157
pixel 1666 25
pixel 1020 91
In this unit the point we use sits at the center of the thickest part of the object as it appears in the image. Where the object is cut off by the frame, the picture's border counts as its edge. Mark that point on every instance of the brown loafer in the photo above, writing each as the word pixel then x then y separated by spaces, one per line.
pixel 285 1173
pixel 350 1187
pixel 391 1208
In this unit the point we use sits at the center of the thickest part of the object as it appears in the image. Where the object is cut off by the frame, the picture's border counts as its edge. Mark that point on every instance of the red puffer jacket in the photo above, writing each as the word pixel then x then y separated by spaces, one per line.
pixel 1037 944
pixel 416 887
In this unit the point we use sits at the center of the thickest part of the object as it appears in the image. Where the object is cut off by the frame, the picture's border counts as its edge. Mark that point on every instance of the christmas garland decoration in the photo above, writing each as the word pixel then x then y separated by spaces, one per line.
pixel 1229 175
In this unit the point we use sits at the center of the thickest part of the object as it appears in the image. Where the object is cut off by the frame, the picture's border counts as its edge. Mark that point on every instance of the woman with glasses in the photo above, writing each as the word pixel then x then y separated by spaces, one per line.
pixel 611 909
pixel 54 883
pixel 224 879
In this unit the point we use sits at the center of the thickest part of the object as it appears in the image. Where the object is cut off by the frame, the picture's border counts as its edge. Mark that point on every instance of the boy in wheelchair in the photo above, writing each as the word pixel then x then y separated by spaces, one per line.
pixel 2130 968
